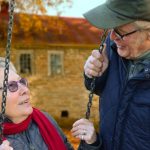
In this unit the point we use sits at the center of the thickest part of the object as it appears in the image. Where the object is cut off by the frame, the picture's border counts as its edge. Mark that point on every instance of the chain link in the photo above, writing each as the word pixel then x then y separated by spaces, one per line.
pixel 6 70
pixel 91 94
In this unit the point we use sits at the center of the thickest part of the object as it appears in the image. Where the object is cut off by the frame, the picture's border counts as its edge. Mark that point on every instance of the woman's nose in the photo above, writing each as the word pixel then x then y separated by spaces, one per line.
pixel 23 89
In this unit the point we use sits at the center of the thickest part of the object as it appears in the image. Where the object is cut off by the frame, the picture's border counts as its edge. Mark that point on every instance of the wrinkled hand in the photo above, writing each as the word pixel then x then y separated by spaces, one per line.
pixel 5 146
pixel 96 64
pixel 84 129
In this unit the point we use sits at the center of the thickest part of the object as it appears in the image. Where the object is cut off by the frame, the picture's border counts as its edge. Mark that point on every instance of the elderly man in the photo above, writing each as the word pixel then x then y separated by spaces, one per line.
pixel 122 74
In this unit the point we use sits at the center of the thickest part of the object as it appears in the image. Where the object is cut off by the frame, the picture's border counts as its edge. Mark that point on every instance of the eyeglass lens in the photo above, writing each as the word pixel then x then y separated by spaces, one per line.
pixel 13 85
pixel 123 35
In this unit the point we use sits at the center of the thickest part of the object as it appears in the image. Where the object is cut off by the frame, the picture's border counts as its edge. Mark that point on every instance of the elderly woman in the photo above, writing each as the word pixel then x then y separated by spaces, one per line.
pixel 25 127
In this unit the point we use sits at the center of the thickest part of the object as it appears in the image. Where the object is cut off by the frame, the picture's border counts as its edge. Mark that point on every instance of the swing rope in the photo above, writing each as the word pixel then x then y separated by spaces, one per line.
pixel 6 70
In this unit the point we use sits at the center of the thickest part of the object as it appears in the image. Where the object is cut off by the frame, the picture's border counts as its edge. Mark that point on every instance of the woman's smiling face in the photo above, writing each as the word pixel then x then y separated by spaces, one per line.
pixel 18 106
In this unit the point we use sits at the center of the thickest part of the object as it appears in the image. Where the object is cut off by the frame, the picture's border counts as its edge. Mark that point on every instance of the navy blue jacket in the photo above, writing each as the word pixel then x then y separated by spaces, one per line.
pixel 124 105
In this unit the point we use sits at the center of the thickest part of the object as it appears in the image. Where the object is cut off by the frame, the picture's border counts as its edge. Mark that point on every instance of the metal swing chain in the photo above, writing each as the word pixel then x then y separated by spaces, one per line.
pixel 91 94
pixel 6 70
pixel 89 104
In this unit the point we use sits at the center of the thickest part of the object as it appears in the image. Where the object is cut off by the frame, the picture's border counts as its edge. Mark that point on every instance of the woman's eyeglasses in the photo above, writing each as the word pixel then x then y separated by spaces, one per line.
pixel 13 85
pixel 121 36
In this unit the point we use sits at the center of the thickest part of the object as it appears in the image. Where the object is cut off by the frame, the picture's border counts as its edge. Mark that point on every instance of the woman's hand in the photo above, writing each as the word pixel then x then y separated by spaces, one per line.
pixel 84 130
pixel 5 146
pixel 96 64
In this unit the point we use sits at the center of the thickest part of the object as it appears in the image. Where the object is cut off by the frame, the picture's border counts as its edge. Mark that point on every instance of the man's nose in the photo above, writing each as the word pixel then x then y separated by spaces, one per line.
pixel 113 35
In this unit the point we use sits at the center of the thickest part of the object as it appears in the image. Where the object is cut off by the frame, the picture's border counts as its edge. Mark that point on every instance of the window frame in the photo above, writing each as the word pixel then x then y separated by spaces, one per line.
pixel 21 52
pixel 61 53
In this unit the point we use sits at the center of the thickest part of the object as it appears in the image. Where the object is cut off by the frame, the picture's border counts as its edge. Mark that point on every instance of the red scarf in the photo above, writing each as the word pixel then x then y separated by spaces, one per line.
pixel 46 128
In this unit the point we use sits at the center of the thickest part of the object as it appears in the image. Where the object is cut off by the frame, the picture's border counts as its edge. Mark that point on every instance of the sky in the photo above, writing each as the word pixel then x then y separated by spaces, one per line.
pixel 78 8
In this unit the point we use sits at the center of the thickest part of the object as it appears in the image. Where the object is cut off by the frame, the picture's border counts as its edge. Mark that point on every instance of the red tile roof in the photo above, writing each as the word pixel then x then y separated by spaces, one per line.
pixel 54 30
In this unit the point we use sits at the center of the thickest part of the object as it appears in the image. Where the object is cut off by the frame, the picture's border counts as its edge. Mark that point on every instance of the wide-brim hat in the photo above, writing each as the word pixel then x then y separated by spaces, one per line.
pixel 114 13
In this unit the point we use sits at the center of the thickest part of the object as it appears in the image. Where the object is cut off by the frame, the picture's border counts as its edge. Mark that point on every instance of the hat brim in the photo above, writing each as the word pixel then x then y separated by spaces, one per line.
pixel 105 18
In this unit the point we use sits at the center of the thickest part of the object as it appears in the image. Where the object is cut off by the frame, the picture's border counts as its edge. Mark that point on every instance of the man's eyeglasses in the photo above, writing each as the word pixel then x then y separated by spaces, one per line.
pixel 121 36
pixel 13 85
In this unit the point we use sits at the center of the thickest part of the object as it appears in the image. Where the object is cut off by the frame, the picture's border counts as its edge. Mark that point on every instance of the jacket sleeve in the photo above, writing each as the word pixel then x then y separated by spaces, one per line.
pixel 95 146
pixel 64 138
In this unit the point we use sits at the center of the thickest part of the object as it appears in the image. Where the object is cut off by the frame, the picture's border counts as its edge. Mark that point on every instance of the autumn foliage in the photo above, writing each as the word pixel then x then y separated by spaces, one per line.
pixel 38 6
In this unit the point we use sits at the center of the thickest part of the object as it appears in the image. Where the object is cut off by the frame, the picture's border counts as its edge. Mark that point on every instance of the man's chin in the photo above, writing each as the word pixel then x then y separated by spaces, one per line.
pixel 123 53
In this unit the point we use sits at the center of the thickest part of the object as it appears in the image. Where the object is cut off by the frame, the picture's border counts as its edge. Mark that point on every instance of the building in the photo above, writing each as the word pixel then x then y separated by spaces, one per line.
pixel 50 52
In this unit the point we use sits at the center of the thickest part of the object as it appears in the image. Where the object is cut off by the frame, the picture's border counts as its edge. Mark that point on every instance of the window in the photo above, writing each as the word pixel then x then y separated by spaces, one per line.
pixel 25 62
pixel 55 63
